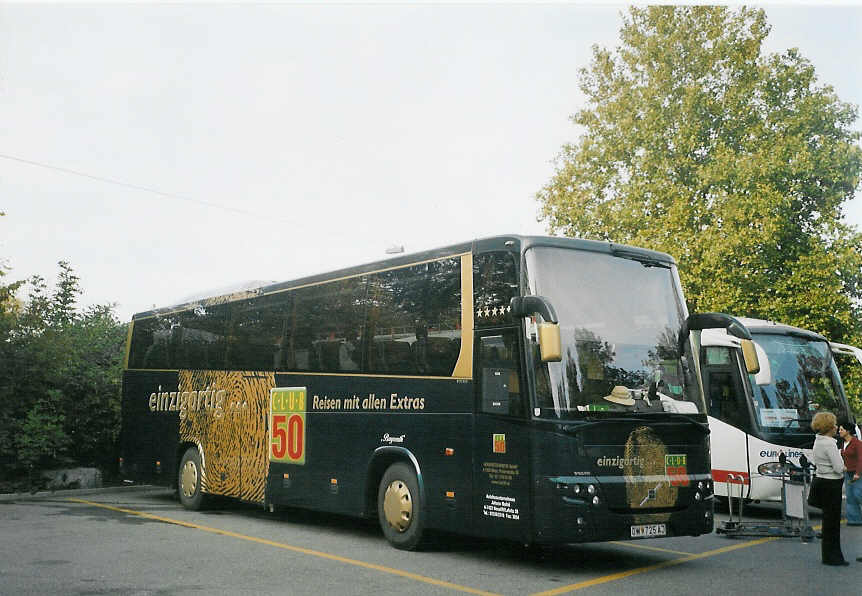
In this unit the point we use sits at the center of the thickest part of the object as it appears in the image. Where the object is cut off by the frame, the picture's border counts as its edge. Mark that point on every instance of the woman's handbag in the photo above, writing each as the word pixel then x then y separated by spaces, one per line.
pixel 814 493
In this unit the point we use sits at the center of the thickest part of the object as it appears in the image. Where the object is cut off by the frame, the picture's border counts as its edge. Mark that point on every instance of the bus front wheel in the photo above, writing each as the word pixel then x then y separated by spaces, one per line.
pixel 189 480
pixel 399 507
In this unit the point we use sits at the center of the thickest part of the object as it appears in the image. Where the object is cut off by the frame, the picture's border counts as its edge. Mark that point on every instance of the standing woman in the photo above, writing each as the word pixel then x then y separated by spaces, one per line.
pixel 828 479
pixel 851 451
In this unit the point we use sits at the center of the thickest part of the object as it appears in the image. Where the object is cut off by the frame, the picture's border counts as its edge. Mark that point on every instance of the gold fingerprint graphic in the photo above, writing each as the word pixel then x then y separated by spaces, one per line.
pixel 644 454
pixel 226 414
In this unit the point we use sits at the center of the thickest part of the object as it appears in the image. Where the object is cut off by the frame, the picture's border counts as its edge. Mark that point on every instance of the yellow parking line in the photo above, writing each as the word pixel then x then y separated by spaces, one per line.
pixel 645 547
pixel 623 574
pixel 297 549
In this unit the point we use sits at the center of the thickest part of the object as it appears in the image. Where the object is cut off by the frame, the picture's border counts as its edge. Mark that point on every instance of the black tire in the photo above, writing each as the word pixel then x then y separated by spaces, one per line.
pixel 189 480
pixel 399 507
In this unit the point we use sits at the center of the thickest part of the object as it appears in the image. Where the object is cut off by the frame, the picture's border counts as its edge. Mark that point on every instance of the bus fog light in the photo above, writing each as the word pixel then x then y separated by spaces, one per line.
pixel 591 489
pixel 595 500
pixel 581 521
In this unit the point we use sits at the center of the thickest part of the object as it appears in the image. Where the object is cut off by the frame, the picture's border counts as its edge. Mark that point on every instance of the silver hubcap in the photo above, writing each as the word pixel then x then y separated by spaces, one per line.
pixel 189 479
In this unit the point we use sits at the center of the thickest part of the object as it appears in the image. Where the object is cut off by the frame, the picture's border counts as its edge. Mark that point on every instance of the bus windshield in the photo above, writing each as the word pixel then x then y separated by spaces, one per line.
pixel 799 380
pixel 619 323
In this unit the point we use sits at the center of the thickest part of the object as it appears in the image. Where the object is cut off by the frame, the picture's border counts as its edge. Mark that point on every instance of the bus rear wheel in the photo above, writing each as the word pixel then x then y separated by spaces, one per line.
pixel 399 507
pixel 189 480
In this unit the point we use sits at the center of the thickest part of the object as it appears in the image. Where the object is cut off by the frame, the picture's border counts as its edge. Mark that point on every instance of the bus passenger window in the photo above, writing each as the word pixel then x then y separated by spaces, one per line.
pixel 720 394
pixel 500 386
pixel 726 400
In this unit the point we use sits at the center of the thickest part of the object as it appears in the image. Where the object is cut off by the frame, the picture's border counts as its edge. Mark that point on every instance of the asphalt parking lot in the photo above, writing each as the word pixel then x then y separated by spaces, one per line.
pixel 141 541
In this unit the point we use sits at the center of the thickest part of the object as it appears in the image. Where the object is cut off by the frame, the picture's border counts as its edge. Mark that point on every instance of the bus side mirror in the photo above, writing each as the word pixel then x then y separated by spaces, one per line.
pixel 526 306
pixel 550 344
pixel 764 375
pixel 716 320
pixel 749 355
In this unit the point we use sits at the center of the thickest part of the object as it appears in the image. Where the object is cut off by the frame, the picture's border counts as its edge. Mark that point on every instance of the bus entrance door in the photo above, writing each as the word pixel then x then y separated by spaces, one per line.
pixel 501 499
pixel 729 422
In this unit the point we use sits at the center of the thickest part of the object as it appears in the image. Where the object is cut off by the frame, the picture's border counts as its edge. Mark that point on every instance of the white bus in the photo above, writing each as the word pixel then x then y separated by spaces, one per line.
pixel 754 418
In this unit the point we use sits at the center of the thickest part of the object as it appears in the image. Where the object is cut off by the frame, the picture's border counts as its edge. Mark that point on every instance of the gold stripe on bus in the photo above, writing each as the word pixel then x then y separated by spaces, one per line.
pixel 128 345
pixel 367 375
pixel 464 365
pixel 311 374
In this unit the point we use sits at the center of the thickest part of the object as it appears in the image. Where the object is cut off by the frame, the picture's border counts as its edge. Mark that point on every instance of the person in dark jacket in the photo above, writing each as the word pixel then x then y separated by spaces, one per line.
pixel 851 452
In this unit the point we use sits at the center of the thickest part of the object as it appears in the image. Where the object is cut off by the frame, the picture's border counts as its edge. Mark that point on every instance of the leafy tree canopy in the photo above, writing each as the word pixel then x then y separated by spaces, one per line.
pixel 737 163
pixel 60 371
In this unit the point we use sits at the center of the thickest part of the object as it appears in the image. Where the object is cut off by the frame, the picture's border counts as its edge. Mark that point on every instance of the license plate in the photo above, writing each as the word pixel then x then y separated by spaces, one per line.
pixel 649 531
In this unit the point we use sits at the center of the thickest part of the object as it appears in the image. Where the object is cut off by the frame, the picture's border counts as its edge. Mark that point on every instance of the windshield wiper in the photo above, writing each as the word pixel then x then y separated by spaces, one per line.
pixel 798 422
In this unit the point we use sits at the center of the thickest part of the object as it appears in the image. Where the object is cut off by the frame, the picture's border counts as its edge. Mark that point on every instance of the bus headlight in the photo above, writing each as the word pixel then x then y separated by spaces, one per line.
pixel 771 468
pixel 591 489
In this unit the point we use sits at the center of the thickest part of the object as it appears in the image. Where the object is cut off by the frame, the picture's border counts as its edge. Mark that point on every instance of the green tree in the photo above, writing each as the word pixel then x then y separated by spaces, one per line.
pixel 60 377
pixel 92 374
pixel 9 310
pixel 41 433
pixel 61 307
pixel 737 163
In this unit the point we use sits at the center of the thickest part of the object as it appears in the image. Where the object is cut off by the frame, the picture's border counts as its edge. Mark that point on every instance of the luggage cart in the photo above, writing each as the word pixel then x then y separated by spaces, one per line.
pixel 795 484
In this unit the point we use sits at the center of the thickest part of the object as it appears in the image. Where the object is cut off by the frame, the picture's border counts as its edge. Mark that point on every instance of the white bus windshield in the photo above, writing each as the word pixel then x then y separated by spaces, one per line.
pixel 799 380
pixel 619 323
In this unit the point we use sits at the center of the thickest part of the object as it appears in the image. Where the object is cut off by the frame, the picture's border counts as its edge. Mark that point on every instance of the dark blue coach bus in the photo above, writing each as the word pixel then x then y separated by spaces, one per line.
pixel 532 389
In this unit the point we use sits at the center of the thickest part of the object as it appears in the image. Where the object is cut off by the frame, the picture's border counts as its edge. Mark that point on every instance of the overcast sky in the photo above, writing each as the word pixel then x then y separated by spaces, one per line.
pixel 328 132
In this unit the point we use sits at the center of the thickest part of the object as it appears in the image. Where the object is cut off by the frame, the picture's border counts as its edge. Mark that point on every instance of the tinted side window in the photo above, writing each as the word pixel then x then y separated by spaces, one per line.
pixel 499 382
pixel 440 319
pixel 495 282
pixel 328 326
pixel 193 339
pixel 403 321
pixel 149 343
pixel 256 332
pixel 414 318
pixel 725 394
pixel 391 327
pixel 203 338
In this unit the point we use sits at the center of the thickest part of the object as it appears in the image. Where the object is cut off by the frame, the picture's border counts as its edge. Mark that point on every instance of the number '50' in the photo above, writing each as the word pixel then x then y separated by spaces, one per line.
pixel 287 436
